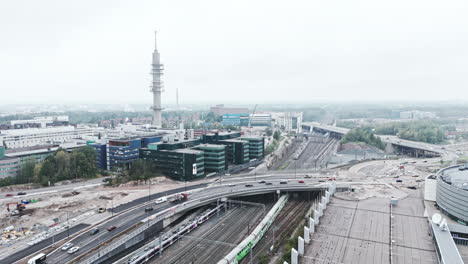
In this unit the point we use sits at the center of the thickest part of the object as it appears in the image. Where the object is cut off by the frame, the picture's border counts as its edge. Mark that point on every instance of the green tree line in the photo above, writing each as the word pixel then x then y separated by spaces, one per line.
pixel 424 131
pixel 61 165
pixel 364 135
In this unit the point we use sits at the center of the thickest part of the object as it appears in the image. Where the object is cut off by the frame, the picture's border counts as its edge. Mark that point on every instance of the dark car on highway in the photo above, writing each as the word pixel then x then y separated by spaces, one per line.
pixel 268 183
pixel 248 185
pixel 9 194
pixel 148 209
pixel 21 193
pixel 94 231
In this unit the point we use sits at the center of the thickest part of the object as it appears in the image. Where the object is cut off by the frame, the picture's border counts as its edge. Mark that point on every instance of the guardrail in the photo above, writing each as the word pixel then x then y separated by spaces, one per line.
pixel 213 196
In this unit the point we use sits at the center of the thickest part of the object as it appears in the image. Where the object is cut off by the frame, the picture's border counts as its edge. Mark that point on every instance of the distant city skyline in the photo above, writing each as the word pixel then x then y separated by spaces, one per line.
pixel 234 52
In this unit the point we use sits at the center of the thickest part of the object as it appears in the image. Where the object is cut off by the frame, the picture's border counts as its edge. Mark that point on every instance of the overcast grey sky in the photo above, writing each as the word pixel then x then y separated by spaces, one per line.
pixel 234 51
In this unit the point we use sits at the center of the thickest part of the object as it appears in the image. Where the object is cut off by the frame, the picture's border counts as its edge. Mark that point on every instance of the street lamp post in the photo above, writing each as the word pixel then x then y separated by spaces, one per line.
pixel 68 226
pixel 295 167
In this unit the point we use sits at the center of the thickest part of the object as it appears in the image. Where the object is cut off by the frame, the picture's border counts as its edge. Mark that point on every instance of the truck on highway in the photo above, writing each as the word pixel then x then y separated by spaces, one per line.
pixel 178 197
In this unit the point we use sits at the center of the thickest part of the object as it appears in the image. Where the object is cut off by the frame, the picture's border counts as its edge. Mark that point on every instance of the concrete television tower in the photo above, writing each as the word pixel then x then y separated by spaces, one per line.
pixel 157 85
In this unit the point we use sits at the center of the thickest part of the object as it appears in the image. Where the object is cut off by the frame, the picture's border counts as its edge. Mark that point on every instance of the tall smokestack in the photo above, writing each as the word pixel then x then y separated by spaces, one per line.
pixel 157 85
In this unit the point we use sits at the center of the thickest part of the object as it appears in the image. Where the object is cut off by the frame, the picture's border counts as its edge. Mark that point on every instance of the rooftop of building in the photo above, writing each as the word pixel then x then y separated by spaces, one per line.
pixel 187 151
pixel 210 146
pixel 214 132
pixel 45 130
pixel 252 137
pixel 31 151
pixel 455 176
pixel 234 140
pixel 176 142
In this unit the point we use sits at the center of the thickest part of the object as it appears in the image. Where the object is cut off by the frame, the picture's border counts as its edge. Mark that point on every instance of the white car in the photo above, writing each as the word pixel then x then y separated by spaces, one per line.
pixel 161 200
pixel 73 250
pixel 67 246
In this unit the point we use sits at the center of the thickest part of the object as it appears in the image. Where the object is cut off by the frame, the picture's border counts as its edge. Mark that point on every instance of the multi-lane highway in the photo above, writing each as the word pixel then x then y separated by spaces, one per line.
pixel 55 189
pixel 128 215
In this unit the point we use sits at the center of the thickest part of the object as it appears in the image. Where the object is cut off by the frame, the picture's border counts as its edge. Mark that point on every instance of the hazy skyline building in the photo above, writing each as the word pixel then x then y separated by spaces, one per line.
pixel 157 85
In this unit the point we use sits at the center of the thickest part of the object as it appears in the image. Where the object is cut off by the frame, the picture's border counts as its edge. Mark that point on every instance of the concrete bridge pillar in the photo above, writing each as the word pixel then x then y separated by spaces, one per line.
pixel 294 256
pixel 312 225
pixel 317 217
pixel 324 203
pixel 306 235
pixel 300 243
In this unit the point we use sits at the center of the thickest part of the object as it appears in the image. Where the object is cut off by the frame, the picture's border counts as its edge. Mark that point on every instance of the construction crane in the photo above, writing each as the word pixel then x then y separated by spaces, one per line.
pixel 251 116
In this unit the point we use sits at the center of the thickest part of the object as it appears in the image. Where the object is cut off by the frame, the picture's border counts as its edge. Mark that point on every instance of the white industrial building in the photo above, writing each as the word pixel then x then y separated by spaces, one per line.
pixel 260 119
pixel 42 121
pixel 417 115
pixel 30 137
pixel 289 121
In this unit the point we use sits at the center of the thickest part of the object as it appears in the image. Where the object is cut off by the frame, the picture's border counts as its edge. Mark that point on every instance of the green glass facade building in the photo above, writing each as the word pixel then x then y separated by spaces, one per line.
pixel 237 151
pixel 179 164
pixel 256 147
pixel 215 157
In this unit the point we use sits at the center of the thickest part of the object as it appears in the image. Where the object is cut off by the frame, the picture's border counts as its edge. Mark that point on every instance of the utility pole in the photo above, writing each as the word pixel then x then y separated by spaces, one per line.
pixel 68 226
pixel 149 190
pixel 295 167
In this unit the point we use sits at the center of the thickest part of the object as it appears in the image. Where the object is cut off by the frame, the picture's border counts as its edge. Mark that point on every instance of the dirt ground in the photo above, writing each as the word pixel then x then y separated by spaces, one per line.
pixel 51 211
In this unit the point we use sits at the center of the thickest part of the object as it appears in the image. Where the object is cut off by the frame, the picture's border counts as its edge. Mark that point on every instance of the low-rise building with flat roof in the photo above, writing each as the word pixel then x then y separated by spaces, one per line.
pixel 9 167
pixel 215 157
pixel 256 147
pixel 237 151
pixel 178 164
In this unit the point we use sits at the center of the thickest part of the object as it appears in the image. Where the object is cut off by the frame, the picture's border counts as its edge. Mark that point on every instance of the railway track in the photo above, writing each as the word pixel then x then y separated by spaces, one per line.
pixel 217 241
pixel 281 229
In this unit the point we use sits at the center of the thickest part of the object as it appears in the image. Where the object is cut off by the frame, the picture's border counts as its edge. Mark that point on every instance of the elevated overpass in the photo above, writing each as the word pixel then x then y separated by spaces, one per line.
pixel 146 226
pixel 406 147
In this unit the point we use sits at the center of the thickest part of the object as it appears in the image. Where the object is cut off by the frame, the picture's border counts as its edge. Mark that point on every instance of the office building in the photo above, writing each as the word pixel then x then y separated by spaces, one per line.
pixel 40 122
pixel 235 119
pixel 123 152
pixel 216 136
pixel 415 114
pixel 214 157
pixel 30 137
pixel 237 151
pixel 101 155
pixel 289 121
pixel 178 164
pixel 256 147
pixel 9 167
pixel 260 119
pixel 221 110
pixel 176 144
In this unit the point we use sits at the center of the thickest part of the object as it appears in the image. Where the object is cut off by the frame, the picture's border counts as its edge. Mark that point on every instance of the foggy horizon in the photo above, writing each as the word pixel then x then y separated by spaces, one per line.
pixel 234 53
